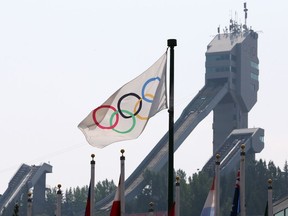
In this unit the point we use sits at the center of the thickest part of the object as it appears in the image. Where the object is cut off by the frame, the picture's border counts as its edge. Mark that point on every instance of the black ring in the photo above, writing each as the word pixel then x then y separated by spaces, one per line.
pixel 124 96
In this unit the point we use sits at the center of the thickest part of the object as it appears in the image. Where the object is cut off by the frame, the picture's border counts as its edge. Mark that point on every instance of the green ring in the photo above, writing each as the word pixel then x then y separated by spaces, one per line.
pixel 127 112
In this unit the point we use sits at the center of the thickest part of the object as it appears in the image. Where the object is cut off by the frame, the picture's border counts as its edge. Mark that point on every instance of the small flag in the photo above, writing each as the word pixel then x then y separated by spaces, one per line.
pixel 125 114
pixel 172 211
pixel 236 200
pixel 210 203
pixel 266 209
pixel 87 209
pixel 116 207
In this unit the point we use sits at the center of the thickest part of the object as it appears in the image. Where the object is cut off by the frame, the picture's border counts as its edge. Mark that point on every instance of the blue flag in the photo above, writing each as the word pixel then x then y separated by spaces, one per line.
pixel 236 200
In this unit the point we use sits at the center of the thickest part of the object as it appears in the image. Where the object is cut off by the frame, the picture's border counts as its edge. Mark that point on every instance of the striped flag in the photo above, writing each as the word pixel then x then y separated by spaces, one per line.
pixel 210 203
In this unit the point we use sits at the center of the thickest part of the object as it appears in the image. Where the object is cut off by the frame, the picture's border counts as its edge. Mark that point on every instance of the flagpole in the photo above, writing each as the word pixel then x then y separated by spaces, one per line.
pixel 151 209
pixel 217 184
pixel 29 204
pixel 242 182
pixel 171 43
pixel 122 183
pixel 270 202
pixel 59 201
pixel 177 196
pixel 92 194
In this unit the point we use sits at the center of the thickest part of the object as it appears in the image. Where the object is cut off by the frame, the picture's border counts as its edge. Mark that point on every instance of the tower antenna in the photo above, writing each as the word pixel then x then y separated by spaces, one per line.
pixel 245 10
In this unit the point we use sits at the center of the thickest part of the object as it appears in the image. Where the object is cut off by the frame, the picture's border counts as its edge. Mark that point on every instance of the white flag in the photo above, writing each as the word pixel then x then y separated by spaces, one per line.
pixel 125 114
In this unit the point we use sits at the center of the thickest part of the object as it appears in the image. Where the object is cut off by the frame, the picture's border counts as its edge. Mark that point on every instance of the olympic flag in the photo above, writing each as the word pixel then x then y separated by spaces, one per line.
pixel 125 114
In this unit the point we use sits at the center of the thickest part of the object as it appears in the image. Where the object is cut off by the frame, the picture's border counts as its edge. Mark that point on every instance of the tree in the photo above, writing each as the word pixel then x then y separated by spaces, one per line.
pixel 103 189
pixel 185 193
pixel 51 198
pixel 199 185
pixel 285 174
pixel 154 190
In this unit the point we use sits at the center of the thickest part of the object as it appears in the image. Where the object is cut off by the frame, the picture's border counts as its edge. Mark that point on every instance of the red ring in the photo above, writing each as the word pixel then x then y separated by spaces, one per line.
pixel 98 123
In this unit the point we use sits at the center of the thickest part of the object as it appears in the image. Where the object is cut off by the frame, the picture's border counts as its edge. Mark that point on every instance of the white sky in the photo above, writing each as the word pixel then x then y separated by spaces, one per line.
pixel 59 59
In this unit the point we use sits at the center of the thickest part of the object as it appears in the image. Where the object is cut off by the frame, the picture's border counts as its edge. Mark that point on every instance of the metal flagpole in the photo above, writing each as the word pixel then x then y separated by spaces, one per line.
pixel 151 209
pixel 171 43
pixel 59 200
pixel 217 184
pixel 177 196
pixel 29 204
pixel 242 182
pixel 270 202
pixel 122 184
pixel 92 187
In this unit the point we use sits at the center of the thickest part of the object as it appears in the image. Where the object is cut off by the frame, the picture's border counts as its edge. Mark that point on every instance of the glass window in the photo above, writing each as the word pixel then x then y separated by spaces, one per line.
pixel 220 57
pixel 254 76
pixel 281 213
pixel 254 65
pixel 217 69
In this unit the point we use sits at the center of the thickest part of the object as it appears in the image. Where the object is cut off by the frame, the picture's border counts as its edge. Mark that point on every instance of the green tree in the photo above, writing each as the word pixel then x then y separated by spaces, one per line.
pixel 154 190
pixel 285 175
pixel 199 185
pixel 68 205
pixel 104 188
pixel 185 193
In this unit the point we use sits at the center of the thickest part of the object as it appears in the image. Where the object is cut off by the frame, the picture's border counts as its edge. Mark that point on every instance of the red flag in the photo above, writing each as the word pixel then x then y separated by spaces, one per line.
pixel 116 208
pixel 172 210
pixel 87 209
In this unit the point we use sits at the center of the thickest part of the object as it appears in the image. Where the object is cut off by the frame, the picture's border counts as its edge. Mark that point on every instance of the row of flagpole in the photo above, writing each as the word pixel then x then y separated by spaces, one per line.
pixel 119 210
pixel 212 204
pixel 212 201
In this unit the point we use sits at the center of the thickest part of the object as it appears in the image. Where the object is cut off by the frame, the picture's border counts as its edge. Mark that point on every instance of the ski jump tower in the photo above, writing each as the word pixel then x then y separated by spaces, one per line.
pixel 230 91
pixel 231 58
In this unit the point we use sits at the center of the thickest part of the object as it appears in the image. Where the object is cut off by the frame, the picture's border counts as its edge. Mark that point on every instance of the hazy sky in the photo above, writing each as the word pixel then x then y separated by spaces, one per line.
pixel 59 59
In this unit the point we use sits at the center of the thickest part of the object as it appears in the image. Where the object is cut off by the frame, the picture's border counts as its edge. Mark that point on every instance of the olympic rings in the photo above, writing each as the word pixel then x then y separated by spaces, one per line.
pixel 125 114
